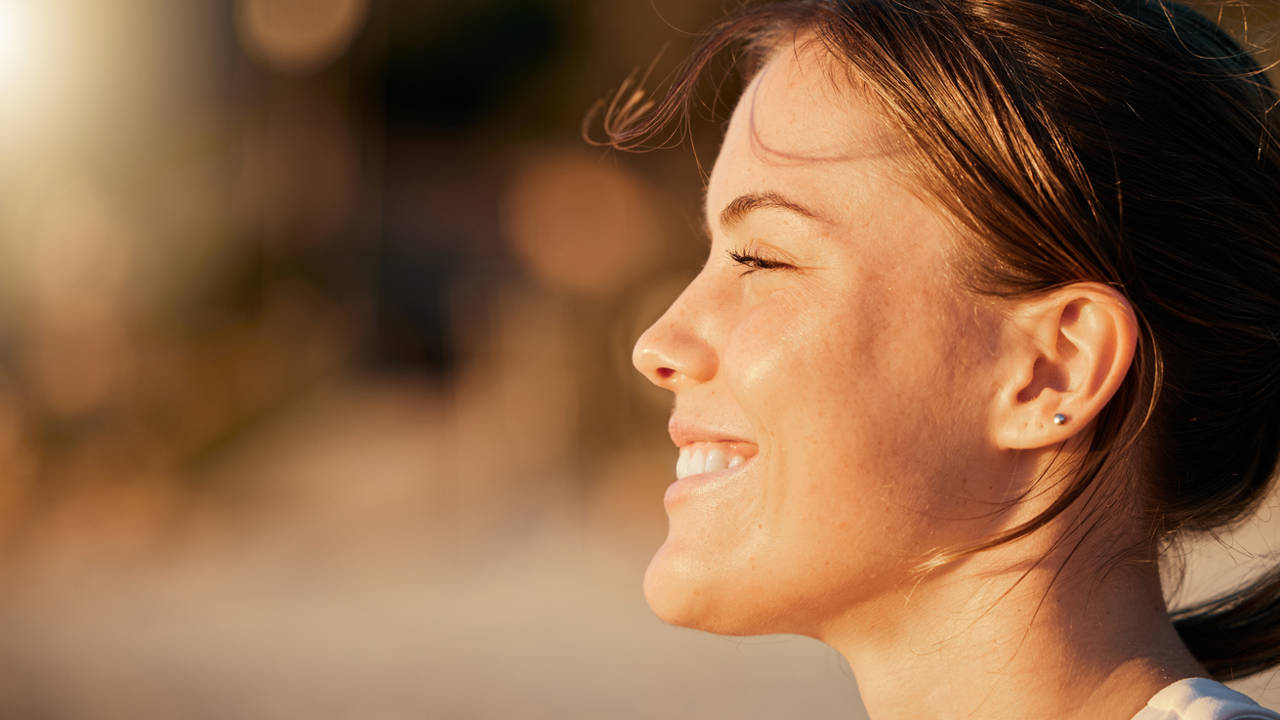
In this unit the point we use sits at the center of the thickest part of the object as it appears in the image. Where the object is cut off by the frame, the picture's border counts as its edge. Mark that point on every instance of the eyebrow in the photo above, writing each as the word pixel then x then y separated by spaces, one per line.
pixel 744 205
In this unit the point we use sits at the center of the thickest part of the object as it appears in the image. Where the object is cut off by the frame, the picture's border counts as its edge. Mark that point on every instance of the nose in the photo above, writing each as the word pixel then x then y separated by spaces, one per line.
pixel 674 353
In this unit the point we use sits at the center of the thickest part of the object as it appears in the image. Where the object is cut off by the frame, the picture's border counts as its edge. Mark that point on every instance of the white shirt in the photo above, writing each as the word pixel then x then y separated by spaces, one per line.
pixel 1202 699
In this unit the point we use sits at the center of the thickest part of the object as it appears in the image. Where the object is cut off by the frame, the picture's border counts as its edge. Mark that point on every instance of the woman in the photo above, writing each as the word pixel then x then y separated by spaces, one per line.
pixel 991 317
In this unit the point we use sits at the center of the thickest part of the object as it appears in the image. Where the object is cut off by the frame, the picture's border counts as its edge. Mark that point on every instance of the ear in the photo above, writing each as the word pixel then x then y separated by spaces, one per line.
pixel 1064 352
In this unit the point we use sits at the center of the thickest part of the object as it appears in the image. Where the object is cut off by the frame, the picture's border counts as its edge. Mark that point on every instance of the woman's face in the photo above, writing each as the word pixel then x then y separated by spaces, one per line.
pixel 831 393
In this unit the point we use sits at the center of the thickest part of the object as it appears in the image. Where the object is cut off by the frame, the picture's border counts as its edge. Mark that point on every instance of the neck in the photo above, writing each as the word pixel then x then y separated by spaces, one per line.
pixel 983 642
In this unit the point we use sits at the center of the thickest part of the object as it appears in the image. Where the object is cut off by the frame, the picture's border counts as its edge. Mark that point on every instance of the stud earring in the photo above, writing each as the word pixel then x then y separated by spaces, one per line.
pixel 1059 419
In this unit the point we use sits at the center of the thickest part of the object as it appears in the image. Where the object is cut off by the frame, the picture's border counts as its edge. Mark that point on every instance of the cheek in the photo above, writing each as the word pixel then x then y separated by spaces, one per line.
pixel 797 368
pixel 790 366
pixel 851 394
pixel 820 369
pixel 766 345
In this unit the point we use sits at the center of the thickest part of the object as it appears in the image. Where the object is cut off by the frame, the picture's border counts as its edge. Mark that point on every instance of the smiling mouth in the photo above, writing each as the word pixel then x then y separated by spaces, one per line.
pixel 702 458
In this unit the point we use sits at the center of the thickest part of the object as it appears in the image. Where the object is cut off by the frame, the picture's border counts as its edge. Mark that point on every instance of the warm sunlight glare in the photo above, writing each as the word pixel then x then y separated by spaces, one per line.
pixel 15 45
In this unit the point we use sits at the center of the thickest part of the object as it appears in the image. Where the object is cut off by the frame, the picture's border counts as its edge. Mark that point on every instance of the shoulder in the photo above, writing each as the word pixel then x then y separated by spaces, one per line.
pixel 1202 699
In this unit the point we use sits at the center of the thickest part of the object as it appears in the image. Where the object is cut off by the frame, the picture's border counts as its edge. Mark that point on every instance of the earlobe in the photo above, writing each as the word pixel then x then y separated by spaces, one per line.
pixel 1063 356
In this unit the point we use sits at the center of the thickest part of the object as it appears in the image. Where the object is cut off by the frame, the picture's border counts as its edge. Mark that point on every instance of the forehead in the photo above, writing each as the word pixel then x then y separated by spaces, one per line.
pixel 801 125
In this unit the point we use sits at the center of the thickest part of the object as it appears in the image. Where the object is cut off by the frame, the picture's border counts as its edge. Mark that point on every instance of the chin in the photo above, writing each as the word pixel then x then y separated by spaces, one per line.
pixel 676 595
pixel 679 594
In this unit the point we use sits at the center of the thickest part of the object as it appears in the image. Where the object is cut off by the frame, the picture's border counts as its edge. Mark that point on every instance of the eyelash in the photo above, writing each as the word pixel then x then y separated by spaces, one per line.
pixel 753 263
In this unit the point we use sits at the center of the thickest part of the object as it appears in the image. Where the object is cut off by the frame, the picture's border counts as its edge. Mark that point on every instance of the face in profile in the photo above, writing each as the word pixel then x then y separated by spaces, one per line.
pixel 827 371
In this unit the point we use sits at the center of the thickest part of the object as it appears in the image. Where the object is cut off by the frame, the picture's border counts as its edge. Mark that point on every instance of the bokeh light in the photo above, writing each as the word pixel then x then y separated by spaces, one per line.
pixel 298 35
pixel 580 224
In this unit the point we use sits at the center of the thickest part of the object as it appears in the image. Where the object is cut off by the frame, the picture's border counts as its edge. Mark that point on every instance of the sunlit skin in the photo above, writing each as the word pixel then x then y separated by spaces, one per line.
pixel 882 411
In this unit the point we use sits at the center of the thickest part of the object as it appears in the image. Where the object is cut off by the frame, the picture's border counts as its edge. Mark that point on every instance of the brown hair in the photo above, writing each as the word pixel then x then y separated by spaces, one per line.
pixel 1127 142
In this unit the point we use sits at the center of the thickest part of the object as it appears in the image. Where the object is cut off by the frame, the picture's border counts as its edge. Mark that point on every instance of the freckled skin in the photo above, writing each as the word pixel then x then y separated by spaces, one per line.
pixel 860 373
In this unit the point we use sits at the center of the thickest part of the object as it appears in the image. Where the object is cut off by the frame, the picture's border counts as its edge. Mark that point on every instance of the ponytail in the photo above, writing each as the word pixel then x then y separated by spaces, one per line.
pixel 1238 634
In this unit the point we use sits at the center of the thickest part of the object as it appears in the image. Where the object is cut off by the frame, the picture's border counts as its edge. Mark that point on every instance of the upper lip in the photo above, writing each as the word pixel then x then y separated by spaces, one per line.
pixel 686 431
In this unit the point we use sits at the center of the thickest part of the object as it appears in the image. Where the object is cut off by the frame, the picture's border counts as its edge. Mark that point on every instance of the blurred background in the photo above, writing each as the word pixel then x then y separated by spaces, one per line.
pixel 315 393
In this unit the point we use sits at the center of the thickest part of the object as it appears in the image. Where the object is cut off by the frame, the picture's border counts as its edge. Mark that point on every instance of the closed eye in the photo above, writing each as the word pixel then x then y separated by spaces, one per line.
pixel 756 262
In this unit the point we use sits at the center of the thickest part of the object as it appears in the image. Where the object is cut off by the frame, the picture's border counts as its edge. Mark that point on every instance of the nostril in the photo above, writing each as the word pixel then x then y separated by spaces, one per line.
pixel 665 373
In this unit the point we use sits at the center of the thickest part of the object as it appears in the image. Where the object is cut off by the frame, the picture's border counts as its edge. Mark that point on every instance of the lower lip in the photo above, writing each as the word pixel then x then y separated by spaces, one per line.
pixel 701 484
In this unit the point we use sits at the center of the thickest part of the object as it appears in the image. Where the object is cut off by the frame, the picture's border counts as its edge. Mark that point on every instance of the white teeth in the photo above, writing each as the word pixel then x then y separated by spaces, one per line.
pixel 716 460
pixel 696 460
